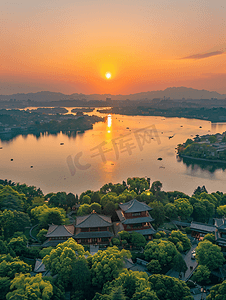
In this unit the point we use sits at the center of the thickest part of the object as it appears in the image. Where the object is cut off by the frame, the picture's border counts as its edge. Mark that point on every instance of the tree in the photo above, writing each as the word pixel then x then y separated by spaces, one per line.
pixel 107 264
pixel 109 209
pixel 137 184
pixel 130 281
pixel 154 266
pixel 125 235
pixel 10 268
pixel 3 247
pixel 210 197
pixel 86 199
pixel 179 264
pixel 11 221
pixel 169 288
pixel 218 292
pixel 221 210
pixel 210 237
pixel 71 200
pixel 146 294
pixel 81 275
pixel 200 190
pixel 209 255
pixel 45 251
pixel 4 286
pixel 138 240
pixel 84 209
pixel 181 240
pixel 156 187
pixel 62 258
pixel 58 200
pixel 117 294
pixel 201 275
pixel 11 202
pixel 95 207
pixel 41 236
pixel 49 215
pixel 10 199
pixel 110 197
pixel 184 208
pixel 29 288
pixel 18 245
pixel 170 211
pixel 127 196
pixel 157 213
pixel 163 251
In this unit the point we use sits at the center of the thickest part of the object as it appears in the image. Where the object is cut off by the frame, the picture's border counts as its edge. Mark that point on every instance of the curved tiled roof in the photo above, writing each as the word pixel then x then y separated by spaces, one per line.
pixel 93 220
pixel 95 234
pixel 138 220
pixel 60 231
pixel 148 231
pixel 134 206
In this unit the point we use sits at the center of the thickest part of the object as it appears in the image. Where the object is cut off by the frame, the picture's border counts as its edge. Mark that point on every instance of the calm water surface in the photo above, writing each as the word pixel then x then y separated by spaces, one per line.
pixel 123 146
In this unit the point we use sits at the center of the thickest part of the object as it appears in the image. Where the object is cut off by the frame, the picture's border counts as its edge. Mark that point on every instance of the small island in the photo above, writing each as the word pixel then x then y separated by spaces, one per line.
pixel 206 147
pixel 15 122
pixel 83 110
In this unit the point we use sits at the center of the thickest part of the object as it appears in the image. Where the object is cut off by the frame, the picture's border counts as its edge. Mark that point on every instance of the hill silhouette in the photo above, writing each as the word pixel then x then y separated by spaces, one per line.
pixel 172 92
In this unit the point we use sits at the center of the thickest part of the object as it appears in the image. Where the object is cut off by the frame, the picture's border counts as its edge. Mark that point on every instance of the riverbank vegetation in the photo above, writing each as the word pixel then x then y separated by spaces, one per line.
pixel 206 147
pixel 71 269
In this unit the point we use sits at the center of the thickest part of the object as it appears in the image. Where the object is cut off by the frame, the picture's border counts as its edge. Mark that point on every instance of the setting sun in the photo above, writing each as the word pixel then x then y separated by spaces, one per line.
pixel 108 75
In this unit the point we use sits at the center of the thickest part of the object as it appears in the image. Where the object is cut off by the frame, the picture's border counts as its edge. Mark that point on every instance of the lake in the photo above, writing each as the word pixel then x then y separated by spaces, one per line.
pixel 122 147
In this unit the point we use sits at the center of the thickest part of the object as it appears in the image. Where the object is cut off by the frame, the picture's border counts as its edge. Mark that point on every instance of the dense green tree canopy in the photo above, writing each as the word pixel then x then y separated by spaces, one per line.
pixel 221 210
pixel 11 221
pixel 156 187
pixel 169 288
pixel 62 258
pixel 130 281
pixel 146 294
pixel 138 240
pixel 4 286
pixel 58 200
pixel 163 251
pixel 10 268
pixel 41 236
pixel 218 292
pixel 107 264
pixel 184 208
pixel 18 245
pixel 170 211
pixel 30 288
pixel 201 275
pixel 137 184
pixel 81 275
pixel 157 213
pixel 209 255
pixel 180 239
pixel 49 215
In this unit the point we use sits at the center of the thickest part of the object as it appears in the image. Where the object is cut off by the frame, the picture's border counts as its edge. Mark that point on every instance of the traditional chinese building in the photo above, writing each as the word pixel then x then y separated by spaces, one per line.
pixel 58 234
pixel 134 216
pixel 220 234
pixel 94 229
pixel 199 230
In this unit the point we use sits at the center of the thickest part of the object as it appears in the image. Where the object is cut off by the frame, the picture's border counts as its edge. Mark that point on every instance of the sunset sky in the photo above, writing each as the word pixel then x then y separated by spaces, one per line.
pixel 69 45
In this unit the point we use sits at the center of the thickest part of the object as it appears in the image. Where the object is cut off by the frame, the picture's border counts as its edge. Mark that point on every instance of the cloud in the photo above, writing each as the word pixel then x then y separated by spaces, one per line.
pixel 204 55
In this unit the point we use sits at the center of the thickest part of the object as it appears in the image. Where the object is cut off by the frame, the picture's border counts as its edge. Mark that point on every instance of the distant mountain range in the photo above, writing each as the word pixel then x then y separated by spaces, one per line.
pixel 172 92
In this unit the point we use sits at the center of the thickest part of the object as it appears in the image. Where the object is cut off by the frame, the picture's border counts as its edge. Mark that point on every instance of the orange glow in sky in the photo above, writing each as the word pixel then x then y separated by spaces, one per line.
pixel 69 46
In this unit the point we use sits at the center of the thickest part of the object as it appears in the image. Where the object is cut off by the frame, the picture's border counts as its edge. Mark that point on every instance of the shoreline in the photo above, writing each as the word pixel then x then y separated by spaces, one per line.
pixel 202 159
